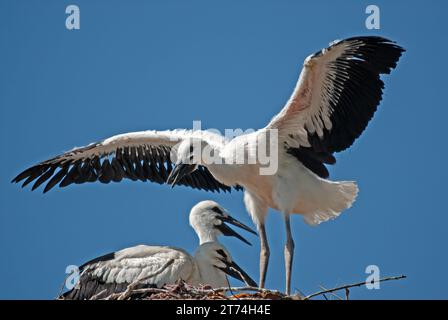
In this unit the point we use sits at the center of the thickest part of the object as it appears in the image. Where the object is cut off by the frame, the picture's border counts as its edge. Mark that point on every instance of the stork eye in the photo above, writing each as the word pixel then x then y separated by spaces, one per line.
pixel 191 148
pixel 217 210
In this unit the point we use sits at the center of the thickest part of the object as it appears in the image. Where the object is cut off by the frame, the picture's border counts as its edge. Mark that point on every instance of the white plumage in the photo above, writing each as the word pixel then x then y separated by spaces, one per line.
pixel 337 93
pixel 144 266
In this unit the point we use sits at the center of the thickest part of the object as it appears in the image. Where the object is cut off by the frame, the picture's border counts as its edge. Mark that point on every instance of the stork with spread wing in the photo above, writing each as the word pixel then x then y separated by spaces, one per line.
pixel 338 92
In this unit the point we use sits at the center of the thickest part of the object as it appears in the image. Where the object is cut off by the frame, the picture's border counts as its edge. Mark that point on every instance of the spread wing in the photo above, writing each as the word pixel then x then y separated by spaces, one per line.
pixel 141 156
pixel 338 92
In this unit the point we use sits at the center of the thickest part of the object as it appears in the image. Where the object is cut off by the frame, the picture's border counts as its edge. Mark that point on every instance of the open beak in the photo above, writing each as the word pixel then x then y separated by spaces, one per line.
pixel 179 171
pixel 229 232
pixel 235 271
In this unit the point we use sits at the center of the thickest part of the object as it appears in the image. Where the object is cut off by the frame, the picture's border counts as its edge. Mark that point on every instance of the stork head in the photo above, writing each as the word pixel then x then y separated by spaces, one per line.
pixel 186 157
pixel 215 255
pixel 210 220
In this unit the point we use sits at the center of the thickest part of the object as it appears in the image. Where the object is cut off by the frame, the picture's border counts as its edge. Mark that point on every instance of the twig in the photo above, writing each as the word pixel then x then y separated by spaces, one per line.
pixel 96 296
pixel 127 293
pixel 131 291
pixel 230 288
pixel 331 293
pixel 346 287
pixel 151 290
pixel 256 289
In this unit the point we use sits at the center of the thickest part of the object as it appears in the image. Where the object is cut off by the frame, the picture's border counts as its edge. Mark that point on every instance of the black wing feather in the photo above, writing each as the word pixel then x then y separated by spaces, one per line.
pixel 357 92
pixel 145 163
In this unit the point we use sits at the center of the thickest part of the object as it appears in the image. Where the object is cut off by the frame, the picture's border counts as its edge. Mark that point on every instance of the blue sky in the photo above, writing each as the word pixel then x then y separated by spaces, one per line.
pixel 138 65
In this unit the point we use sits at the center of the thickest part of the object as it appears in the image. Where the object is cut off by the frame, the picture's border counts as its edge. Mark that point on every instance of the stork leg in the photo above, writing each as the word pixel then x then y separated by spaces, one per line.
pixel 264 254
pixel 289 253
pixel 258 211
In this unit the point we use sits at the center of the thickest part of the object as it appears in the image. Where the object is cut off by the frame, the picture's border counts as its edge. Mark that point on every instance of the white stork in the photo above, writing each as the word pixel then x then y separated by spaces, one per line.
pixel 155 266
pixel 337 93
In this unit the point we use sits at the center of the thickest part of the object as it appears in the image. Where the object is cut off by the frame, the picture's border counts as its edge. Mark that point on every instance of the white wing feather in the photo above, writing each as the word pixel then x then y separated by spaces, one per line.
pixel 146 264
pixel 307 110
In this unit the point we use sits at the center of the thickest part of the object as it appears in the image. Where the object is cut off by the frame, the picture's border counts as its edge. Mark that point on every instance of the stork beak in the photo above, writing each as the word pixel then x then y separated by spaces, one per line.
pixel 179 171
pixel 227 231
pixel 235 271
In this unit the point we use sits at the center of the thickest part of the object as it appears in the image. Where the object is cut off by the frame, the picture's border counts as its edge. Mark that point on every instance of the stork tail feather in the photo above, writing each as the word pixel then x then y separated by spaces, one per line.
pixel 338 197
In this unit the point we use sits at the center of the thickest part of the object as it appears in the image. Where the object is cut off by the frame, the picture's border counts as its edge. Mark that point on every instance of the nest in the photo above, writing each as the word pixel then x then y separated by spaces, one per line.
pixel 183 291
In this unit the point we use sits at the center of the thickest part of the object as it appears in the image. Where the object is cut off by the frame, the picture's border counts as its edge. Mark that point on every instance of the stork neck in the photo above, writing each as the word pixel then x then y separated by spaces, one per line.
pixel 209 274
pixel 206 236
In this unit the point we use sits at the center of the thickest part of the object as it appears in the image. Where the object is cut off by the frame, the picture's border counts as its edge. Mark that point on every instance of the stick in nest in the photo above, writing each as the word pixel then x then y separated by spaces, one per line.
pixel 346 287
